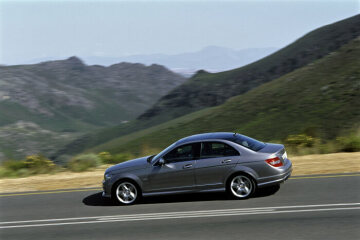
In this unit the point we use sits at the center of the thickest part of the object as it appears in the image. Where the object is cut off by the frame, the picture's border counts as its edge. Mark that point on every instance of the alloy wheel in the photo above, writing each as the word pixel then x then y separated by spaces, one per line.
pixel 241 186
pixel 126 193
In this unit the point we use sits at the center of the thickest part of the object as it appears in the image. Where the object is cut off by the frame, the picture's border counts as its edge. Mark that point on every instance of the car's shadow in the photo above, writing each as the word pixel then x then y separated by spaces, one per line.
pixel 97 199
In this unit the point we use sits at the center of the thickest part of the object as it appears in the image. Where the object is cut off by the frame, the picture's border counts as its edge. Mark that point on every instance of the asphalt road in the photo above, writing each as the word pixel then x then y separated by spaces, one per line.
pixel 319 207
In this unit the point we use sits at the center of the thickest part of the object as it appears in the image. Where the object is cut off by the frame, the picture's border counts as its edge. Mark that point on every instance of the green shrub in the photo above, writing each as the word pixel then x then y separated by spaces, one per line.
pixel 106 157
pixel 39 163
pixel 5 172
pixel 83 162
pixel 300 140
pixel 349 144
pixel 122 157
pixel 33 164
pixel 14 165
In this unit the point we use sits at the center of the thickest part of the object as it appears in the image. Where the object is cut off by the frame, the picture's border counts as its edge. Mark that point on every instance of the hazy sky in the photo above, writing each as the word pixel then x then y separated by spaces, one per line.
pixel 58 29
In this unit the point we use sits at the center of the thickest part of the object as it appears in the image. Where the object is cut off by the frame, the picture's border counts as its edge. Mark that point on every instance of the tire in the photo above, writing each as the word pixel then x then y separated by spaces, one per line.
pixel 241 186
pixel 126 193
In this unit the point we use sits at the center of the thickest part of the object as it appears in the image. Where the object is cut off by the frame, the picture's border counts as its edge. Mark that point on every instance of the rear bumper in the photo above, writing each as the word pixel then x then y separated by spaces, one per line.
pixel 276 179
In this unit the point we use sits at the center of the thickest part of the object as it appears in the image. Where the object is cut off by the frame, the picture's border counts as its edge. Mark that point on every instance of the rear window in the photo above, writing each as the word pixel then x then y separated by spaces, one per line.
pixel 248 142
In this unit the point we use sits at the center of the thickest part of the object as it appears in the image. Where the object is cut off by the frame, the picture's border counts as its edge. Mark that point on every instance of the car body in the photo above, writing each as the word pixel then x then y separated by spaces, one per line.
pixel 203 162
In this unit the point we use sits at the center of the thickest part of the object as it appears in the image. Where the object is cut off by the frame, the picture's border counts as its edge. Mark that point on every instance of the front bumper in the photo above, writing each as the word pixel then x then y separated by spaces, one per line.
pixel 276 179
pixel 106 189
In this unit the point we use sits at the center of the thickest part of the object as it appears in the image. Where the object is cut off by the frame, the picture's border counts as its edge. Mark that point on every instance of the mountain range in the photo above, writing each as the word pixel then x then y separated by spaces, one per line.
pixel 65 98
pixel 211 59
pixel 300 86
pixel 65 107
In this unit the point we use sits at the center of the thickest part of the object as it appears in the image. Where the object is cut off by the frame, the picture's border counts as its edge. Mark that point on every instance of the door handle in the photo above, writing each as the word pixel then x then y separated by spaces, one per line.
pixel 187 166
pixel 226 161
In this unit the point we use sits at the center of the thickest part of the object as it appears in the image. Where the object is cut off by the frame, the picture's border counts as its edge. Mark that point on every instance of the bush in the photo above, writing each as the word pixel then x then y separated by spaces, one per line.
pixel 33 164
pixel 14 165
pixel 83 162
pixel 106 157
pixel 122 157
pixel 349 144
pixel 39 162
pixel 13 168
pixel 300 140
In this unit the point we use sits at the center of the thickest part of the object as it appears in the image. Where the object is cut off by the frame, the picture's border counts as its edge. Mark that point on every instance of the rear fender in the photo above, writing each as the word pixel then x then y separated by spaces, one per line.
pixel 242 169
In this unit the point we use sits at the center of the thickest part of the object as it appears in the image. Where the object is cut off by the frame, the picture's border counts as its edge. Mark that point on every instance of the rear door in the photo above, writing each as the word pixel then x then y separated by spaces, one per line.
pixel 178 171
pixel 216 159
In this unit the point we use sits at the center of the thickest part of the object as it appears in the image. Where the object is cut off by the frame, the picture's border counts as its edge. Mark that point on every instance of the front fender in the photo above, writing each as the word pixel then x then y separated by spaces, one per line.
pixel 130 176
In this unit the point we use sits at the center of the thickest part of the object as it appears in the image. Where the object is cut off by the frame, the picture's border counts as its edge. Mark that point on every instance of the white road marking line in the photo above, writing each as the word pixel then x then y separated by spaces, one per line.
pixel 181 216
pixel 183 212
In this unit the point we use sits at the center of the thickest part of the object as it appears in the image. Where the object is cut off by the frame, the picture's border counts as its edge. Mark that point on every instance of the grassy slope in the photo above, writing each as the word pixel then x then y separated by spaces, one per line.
pixel 59 122
pixel 204 89
pixel 321 98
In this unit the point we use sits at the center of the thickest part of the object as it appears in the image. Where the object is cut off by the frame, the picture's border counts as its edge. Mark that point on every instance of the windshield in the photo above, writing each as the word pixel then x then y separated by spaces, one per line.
pixel 248 142
pixel 162 152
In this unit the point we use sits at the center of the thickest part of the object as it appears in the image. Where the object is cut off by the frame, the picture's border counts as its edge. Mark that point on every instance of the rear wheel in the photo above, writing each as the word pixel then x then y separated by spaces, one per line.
pixel 241 186
pixel 126 193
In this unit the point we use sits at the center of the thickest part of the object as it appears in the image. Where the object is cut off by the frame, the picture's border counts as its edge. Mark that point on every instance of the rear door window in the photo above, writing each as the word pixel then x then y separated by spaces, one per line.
pixel 217 149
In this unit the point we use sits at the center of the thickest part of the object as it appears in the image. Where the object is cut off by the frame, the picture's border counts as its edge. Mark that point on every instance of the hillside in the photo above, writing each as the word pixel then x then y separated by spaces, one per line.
pixel 207 90
pixel 70 97
pixel 321 99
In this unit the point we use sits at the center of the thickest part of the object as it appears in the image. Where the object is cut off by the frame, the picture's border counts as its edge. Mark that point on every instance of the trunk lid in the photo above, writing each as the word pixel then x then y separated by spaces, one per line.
pixel 277 149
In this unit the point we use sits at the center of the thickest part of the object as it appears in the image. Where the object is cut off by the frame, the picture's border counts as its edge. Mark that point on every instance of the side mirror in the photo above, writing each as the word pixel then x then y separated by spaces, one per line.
pixel 161 162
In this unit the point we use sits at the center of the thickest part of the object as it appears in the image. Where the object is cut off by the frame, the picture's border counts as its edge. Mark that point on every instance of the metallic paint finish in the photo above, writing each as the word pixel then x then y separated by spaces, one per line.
pixel 200 174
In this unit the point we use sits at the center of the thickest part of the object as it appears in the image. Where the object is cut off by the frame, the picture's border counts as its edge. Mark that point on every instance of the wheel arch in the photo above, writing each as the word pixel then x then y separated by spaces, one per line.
pixel 237 173
pixel 128 179
pixel 250 174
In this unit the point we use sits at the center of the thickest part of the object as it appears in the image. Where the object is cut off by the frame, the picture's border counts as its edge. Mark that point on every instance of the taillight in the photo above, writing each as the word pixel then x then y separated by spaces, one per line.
pixel 275 162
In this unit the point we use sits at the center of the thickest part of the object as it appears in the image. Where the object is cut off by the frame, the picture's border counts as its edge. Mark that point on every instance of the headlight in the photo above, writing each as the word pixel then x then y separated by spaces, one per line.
pixel 107 176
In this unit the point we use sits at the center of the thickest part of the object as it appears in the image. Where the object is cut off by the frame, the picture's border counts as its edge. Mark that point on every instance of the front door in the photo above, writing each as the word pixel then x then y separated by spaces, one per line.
pixel 178 171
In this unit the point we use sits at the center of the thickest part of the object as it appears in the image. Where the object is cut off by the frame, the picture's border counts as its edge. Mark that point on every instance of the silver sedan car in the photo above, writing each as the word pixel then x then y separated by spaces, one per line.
pixel 219 161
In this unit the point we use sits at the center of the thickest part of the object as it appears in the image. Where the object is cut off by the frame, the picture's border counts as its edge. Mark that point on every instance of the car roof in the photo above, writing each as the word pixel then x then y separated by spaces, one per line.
pixel 205 136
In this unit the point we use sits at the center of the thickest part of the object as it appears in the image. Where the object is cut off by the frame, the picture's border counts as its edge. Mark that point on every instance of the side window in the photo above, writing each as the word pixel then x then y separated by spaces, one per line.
pixel 217 149
pixel 183 153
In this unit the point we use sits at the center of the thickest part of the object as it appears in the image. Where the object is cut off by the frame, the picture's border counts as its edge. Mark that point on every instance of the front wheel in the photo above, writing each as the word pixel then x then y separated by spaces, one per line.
pixel 126 193
pixel 241 186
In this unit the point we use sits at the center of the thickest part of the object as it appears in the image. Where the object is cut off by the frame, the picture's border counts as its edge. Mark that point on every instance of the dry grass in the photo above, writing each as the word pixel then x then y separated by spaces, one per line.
pixel 326 163
pixel 62 180
pixel 303 165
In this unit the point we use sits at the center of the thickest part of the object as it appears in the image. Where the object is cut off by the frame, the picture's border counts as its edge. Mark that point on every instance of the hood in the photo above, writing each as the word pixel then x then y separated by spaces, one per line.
pixel 131 164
